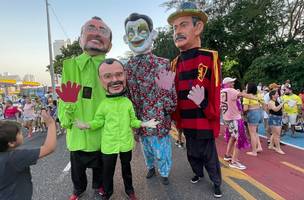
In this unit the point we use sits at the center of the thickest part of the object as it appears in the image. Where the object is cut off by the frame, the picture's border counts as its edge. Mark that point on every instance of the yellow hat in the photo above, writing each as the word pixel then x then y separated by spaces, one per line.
pixel 188 9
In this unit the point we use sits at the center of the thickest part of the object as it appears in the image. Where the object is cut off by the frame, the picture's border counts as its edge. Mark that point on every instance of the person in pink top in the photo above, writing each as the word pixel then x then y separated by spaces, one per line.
pixel 10 112
pixel 232 114
pixel 29 115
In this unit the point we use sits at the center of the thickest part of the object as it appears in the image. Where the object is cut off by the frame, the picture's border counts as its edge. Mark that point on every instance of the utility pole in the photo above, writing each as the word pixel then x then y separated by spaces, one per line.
pixel 50 50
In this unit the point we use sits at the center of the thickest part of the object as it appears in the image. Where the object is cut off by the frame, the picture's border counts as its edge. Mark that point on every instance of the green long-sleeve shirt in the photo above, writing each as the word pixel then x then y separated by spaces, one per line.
pixel 84 71
pixel 116 116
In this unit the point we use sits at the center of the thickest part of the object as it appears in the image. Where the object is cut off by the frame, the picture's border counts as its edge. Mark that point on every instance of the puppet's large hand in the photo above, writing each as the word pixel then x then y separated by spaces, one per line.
pixel 68 92
pixel 150 124
pixel 197 94
pixel 165 79
pixel 81 125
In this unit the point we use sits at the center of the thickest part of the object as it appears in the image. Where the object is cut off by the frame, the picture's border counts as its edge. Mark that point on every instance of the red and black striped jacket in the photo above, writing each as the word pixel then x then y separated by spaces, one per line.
pixel 198 67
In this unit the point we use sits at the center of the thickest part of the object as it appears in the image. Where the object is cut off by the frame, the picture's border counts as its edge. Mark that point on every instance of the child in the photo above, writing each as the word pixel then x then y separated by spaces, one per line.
pixel 15 181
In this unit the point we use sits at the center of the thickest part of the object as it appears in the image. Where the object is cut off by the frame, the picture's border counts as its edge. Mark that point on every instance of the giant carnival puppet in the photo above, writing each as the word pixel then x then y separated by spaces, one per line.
pixel 116 116
pixel 151 87
pixel 197 84
pixel 84 145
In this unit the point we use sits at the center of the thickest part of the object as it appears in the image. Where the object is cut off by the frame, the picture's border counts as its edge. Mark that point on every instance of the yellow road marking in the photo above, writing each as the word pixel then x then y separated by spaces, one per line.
pixel 228 174
pixel 293 166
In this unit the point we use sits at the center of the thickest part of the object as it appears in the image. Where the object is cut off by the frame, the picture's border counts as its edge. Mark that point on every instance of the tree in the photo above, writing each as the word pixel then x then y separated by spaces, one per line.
pixel 71 50
pixel 164 45
pixel 245 30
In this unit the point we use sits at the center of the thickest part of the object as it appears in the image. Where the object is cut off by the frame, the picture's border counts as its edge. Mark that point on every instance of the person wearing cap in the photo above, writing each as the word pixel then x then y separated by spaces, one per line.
pixel 235 129
pixel 197 83
pixel 291 110
pixel 84 145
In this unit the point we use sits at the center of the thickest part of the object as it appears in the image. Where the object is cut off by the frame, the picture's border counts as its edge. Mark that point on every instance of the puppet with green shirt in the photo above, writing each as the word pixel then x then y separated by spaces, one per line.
pixel 116 118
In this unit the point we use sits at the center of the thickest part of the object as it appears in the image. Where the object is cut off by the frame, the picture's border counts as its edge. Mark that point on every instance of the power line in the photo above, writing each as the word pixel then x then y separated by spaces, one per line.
pixel 58 21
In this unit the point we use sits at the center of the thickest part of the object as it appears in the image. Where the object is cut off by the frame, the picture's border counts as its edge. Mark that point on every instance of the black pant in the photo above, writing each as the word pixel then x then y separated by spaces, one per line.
pixel 109 163
pixel 80 161
pixel 202 153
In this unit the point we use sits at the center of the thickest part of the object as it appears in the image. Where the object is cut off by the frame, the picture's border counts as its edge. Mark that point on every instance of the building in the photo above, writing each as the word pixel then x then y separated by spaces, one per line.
pixel 29 77
pixel 58 44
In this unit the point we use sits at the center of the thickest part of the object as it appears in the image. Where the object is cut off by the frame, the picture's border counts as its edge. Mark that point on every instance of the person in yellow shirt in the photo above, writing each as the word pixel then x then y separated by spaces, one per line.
pixel 254 117
pixel 291 109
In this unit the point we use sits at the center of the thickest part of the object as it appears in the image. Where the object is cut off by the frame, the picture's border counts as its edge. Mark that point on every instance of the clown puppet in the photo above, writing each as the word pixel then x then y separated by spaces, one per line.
pixel 151 87
pixel 197 83
pixel 84 145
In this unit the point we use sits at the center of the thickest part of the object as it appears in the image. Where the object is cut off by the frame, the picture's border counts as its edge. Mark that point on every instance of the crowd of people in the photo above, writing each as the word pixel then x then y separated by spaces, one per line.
pixel 243 112
pixel 27 111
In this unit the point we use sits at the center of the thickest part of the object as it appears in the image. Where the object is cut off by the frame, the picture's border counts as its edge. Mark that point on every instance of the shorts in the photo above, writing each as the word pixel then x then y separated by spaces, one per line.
pixel 255 117
pixel 275 120
pixel 28 118
pixel 232 128
pixel 292 119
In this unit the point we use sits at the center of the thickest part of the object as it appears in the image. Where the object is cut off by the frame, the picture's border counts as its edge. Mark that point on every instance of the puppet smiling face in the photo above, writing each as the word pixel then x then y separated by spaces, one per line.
pixel 138 36
pixel 95 37
pixel 112 76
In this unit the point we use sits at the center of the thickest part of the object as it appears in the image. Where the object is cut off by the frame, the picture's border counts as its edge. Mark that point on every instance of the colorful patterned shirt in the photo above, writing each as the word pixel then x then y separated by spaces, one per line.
pixel 149 100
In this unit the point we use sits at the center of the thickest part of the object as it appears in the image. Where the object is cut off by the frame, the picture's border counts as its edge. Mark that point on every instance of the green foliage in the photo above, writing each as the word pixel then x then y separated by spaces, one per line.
pixel 164 45
pixel 71 50
pixel 286 64
pixel 257 40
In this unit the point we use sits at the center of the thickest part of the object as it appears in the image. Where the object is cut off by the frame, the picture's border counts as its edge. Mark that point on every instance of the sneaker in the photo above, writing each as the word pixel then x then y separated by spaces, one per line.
pixel 150 173
pixel 73 197
pixel 195 179
pixel 237 165
pixel 132 196
pixel 165 180
pixel 101 191
pixel 227 158
pixel 181 145
pixel 217 192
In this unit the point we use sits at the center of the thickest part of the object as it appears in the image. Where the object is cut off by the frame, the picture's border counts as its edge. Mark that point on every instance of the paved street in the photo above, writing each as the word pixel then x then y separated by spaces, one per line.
pixel 264 178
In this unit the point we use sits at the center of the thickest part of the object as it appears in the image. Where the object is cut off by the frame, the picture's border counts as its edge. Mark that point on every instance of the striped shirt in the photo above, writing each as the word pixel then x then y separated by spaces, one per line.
pixel 198 67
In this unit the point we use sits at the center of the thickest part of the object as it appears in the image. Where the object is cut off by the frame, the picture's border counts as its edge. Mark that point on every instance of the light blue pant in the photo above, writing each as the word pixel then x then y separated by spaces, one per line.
pixel 158 150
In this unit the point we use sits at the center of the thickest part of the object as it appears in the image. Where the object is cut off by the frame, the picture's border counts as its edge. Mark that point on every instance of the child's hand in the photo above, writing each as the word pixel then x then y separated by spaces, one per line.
pixel 81 125
pixel 48 120
pixel 150 124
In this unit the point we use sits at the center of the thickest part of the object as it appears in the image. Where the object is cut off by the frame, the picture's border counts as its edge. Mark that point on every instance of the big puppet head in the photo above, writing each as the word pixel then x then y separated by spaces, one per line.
pixel 112 77
pixel 188 23
pixel 95 37
pixel 139 33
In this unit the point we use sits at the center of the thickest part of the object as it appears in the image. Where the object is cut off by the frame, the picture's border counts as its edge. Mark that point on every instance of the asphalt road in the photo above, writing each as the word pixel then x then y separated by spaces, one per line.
pixel 52 181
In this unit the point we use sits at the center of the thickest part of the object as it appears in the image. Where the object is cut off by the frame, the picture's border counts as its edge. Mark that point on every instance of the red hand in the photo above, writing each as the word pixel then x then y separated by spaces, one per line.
pixel 68 92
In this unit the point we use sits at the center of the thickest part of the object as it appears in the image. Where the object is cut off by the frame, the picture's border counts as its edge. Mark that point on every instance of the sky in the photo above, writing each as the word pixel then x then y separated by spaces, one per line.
pixel 23 28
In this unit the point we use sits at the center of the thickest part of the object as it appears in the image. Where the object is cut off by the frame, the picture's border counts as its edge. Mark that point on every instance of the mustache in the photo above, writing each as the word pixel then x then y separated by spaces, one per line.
pixel 179 36
pixel 115 83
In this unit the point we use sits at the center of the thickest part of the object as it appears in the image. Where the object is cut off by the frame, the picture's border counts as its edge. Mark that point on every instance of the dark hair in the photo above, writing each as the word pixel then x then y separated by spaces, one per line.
pixel 252 88
pixel 195 19
pixel 272 93
pixel 110 61
pixel 136 16
pixel 8 133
